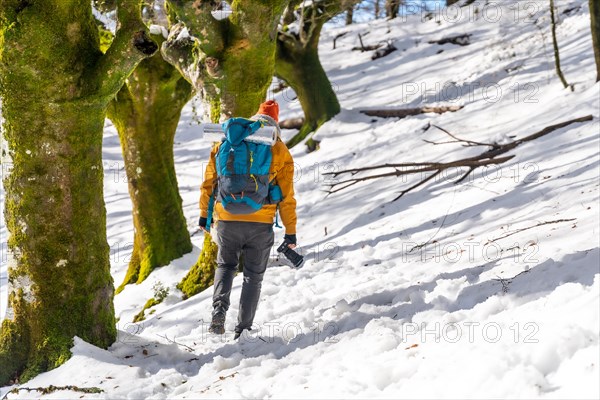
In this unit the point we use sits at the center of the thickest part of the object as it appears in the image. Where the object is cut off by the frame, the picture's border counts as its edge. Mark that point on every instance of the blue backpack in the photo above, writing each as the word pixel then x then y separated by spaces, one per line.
pixel 243 169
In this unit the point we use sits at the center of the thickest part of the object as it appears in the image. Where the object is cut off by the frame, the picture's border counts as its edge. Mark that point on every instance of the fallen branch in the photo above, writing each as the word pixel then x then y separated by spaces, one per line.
pixel 380 53
pixel 437 168
pixel 407 112
pixel 488 157
pixel 363 48
pixel 460 40
pixel 52 388
pixel 339 35
pixel 531 227
pixel 292 123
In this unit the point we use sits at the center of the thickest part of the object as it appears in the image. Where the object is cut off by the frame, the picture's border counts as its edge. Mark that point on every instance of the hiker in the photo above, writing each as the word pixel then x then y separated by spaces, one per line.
pixel 240 227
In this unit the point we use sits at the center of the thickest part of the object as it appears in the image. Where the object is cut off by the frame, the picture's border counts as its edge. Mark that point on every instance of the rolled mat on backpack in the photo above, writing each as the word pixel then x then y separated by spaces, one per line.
pixel 215 133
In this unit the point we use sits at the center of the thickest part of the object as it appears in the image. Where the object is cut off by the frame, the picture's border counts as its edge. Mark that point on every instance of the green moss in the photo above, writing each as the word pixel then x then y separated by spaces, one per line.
pixel 61 284
pixel 302 70
pixel 106 38
pixel 215 109
pixel 201 275
pixel 14 343
pixel 150 303
pixel 300 67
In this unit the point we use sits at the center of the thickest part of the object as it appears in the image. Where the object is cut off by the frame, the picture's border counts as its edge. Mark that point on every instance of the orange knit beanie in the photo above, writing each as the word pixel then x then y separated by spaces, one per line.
pixel 270 108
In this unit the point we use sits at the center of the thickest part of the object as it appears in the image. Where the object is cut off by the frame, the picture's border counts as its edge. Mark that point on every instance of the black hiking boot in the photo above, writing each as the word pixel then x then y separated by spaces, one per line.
pixel 217 325
pixel 238 333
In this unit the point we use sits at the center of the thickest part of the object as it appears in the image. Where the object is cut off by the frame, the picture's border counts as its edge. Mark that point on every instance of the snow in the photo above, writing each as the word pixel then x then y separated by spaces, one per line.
pixel 183 34
pixel 159 30
pixel 487 309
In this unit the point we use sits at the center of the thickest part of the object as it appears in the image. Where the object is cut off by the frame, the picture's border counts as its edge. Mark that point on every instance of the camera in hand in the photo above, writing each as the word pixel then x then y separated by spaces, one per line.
pixel 290 254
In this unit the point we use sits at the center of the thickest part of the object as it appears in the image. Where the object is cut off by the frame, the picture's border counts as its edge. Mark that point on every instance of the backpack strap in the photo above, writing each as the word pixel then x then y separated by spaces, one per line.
pixel 211 204
pixel 277 218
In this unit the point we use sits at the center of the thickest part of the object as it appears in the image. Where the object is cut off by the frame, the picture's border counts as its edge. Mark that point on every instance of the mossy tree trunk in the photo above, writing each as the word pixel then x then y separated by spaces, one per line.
pixel 55 85
pixel 595 17
pixel 146 112
pixel 298 63
pixel 231 62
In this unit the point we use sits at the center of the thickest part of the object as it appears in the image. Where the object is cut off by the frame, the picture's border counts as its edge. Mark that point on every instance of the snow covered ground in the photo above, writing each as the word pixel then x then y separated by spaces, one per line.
pixel 493 306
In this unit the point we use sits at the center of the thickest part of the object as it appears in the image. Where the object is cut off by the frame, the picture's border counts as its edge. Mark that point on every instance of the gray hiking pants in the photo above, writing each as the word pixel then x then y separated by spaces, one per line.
pixel 254 241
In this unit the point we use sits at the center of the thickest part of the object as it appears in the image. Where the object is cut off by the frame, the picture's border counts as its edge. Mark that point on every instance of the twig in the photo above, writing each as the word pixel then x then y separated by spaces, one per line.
pixel 459 140
pixel 531 227
pixel 418 246
pixel 430 177
pixel 174 342
pixel 505 282
pixel 339 35
pixel 221 378
pixel 197 231
pixel 364 48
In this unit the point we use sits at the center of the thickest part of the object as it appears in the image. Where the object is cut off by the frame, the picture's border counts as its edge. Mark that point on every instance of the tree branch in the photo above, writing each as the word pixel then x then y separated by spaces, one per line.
pixel 131 45
pixel 531 227
pixel 488 157
pixel 209 32
pixel 468 143
pixel 181 51
pixel 407 112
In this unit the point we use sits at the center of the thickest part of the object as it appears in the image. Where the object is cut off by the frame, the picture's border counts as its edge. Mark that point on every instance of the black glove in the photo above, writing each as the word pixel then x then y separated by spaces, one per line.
pixel 290 238
pixel 202 222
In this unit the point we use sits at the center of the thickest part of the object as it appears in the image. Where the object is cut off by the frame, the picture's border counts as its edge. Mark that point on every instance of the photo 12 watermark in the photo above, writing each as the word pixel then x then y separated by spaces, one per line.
pixel 469 332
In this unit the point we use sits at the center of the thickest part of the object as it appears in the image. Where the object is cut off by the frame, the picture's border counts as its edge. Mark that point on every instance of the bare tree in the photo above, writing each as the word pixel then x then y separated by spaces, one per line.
pixel 595 17
pixel 555 44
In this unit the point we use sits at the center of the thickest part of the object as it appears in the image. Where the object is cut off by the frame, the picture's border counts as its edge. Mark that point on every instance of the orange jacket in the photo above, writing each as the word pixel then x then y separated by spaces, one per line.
pixel 281 172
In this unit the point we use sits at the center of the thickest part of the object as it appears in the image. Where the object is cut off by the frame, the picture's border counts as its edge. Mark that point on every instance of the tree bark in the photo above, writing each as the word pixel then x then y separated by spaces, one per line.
pixel 55 85
pixel 595 19
pixel 231 62
pixel 555 45
pixel 146 112
pixel 301 68
pixel 298 64
pixel 349 15
pixel 392 7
